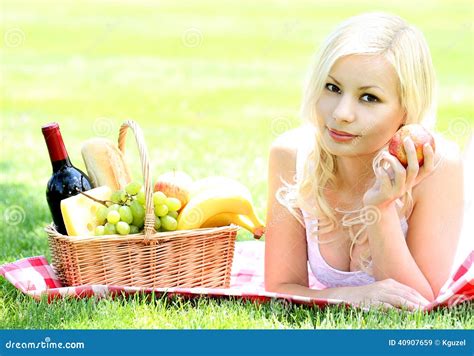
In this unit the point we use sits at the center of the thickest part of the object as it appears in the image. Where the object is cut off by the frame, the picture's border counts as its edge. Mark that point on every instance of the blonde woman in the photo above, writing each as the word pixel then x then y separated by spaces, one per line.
pixel 371 230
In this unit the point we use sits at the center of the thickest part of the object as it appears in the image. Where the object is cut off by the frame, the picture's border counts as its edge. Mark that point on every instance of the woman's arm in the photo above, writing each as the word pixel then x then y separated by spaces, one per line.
pixel 424 260
pixel 286 268
pixel 436 221
pixel 285 241
pixel 390 253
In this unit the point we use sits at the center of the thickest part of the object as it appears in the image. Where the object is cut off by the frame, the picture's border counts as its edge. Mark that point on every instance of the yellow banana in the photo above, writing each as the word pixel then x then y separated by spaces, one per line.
pixel 252 223
pixel 215 182
pixel 211 202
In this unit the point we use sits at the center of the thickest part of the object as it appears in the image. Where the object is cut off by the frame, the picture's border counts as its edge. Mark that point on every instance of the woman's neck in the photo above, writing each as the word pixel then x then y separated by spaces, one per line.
pixel 354 174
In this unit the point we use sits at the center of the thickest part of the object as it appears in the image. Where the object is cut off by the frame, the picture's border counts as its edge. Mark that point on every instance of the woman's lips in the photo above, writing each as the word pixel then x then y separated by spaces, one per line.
pixel 341 136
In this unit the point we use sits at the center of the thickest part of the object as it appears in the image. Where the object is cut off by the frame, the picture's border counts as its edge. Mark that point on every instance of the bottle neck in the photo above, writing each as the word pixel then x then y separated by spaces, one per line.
pixel 57 151
pixel 57 165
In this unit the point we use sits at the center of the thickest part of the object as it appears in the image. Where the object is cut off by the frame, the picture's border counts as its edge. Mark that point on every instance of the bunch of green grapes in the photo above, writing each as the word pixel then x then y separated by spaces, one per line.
pixel 166 212
pixel 125 214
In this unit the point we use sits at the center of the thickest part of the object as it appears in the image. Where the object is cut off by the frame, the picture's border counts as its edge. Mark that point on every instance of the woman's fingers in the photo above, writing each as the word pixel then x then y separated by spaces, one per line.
pixel 403 300
pixel 388 294
pixel 401 295
pixel 418 296
pixel 412 304
pixel 399 173
pixel 414 293
pixel 384 177
pixel 410 292
pixel 413 166
pixel 428 160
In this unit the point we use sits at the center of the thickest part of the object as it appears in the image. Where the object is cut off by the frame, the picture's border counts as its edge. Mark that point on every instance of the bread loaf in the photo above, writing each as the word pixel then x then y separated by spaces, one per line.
pixel 105 164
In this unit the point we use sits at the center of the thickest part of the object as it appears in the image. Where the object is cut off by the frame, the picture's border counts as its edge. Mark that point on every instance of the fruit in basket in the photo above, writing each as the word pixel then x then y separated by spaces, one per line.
pixel 141 197
pixel 159 198
pixel 101 214
pixel 115 207
pixel 168 223
pixel 173 214
pixel 166 211
pixel 110 229
pixel 138 212
pixel 99 230
pixel 123 228
pixel 173 204
pixel 161 210
pixel 231 198
pixel 116 212
pixel 175 184
pixel 157 224
pixel 214 182
pixel 250 223
pixel 113 217
pixel 116 197
pixel 79 212
pixel 419 136
pixel 133 188
pixel 126 214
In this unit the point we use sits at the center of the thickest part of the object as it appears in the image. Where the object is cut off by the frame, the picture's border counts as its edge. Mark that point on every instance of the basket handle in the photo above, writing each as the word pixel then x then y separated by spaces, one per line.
pixel 149 212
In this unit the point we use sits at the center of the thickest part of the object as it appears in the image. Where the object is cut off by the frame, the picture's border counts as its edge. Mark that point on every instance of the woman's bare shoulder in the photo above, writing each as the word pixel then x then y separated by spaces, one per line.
pixel 285 147
pixel 448 164
pixel 289 139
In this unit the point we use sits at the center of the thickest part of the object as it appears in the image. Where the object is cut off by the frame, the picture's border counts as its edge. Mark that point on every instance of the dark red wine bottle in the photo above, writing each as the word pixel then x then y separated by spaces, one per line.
pixel 66 180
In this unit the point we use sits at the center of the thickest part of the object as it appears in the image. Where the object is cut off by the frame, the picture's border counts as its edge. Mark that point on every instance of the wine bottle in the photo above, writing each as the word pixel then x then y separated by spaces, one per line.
pixel 66 179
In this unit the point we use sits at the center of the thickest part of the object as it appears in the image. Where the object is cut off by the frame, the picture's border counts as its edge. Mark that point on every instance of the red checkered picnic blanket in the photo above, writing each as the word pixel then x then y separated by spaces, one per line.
pixel 34 276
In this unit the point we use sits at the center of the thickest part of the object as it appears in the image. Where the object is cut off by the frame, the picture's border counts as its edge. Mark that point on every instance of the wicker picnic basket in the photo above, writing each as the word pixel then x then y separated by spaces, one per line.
pixel 182 258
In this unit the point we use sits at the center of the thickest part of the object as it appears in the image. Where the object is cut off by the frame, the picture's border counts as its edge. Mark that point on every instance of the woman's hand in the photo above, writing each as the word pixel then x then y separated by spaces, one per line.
pixel 388 294
pixel 394 182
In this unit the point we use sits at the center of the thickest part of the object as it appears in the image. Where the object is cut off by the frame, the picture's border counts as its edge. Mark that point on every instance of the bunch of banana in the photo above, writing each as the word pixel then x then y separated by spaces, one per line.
pixel 220 201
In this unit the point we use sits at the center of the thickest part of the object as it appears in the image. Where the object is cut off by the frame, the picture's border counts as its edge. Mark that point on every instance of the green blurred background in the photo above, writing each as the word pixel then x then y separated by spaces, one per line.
pixel 212 83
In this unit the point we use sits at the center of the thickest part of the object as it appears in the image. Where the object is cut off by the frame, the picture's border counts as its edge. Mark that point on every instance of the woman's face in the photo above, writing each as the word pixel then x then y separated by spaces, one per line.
pixel 360 97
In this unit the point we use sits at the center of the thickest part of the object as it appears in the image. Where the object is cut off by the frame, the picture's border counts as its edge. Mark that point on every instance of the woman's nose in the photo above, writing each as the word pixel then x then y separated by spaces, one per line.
pixel 344 110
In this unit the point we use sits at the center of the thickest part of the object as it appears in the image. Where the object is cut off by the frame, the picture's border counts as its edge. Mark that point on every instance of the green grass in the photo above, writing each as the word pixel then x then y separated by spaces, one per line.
pixel 213 108
pixel 163 312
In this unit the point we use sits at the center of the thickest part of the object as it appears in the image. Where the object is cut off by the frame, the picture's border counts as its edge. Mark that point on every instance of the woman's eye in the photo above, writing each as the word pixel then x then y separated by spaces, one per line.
pixel 370 98
pixel 332 88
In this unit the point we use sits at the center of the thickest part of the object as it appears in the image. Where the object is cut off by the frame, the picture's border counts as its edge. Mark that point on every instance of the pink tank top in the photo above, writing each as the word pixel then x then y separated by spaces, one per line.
pixel 323 272
pixel 326 274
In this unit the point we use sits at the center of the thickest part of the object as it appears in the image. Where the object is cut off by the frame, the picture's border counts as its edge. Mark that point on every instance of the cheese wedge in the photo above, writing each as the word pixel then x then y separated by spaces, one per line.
pixel 79 211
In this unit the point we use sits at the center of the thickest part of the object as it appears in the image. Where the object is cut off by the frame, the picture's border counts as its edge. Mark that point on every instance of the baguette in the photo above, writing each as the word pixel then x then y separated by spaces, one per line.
pixel 105 164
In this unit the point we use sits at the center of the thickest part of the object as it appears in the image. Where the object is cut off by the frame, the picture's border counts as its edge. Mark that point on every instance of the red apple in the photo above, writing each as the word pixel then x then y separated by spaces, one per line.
pixel 419 136
pixel 175 184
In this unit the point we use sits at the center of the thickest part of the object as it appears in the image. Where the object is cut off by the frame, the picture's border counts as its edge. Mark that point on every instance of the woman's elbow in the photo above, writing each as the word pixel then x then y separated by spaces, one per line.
pixel 271 286
pixel 274 285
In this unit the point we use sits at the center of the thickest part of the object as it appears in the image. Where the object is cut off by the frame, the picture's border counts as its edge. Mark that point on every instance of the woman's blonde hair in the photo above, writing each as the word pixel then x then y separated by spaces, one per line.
pixel 406 49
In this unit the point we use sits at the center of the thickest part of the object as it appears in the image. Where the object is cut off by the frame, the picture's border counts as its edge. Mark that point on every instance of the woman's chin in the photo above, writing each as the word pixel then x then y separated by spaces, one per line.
pixel 339 148
pixel 357 147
